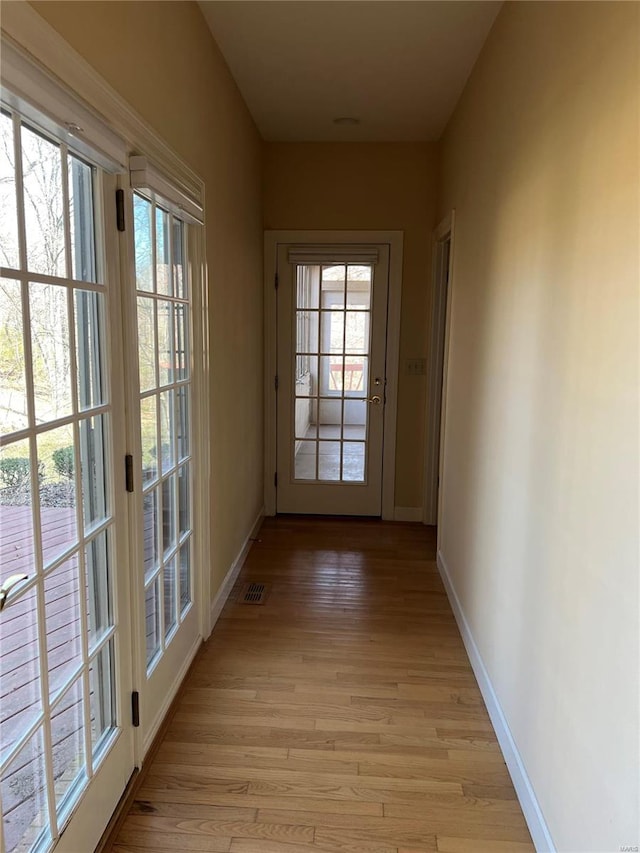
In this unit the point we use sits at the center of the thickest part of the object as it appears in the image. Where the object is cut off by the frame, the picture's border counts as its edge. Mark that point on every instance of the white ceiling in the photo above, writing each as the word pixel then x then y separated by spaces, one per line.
pixel 397 66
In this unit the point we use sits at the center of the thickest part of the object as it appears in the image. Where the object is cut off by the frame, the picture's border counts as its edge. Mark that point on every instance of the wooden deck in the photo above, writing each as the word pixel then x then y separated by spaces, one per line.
pixel 19 657
pixel 341 715
pixel 20 701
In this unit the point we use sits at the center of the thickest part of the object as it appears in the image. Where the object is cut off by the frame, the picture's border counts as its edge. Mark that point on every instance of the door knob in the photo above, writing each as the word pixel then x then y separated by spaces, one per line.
pixel 7 586
pixel 376 399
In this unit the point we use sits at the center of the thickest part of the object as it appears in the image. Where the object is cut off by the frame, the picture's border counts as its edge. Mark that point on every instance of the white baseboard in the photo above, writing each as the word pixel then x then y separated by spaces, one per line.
pixel 407 513
pixel 230 578
pixel 526 795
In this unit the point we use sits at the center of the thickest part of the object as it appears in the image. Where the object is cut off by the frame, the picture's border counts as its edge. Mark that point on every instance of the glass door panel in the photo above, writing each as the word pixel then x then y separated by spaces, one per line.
pixel 332 372
pixel 58 634
pixel 165 397
pixel 165 415
pixel 331 369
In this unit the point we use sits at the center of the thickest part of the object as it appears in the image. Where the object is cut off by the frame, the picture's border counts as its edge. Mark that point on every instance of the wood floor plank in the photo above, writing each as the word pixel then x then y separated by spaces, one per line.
pixel 285 832
pixel 475 845
pixel 341 716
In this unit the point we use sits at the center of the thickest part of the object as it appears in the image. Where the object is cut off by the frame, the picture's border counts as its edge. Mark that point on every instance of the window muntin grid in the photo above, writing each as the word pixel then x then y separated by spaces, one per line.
pixel 331 361
pixel 165 358
pixel 57 708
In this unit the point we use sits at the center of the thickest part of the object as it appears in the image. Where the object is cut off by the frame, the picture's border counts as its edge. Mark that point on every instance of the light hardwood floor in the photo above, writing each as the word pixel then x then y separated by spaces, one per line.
pixel 341 715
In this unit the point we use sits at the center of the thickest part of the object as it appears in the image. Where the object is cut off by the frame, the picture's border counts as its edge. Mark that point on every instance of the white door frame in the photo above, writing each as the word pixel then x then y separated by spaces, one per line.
pixel 442 280
pixel 394 239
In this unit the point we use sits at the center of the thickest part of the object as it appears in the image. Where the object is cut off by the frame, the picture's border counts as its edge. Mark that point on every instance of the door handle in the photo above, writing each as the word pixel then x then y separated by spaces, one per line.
pixel 7 586
pixel 376 399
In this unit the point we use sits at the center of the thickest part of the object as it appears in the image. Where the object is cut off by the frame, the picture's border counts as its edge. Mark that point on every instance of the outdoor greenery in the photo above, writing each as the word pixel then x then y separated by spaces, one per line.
pixel 14 472
pixel 63 461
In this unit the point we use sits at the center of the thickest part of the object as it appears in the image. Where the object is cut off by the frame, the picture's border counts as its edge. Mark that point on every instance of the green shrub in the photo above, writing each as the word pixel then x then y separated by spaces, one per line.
pixel 63 461
pixel 14 471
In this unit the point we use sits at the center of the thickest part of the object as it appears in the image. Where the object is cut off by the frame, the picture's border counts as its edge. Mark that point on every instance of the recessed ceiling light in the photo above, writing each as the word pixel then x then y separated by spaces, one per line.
pixel 346 120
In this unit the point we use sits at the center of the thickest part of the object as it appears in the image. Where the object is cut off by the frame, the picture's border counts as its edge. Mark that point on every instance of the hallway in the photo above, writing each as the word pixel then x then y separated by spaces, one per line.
pixel 340 715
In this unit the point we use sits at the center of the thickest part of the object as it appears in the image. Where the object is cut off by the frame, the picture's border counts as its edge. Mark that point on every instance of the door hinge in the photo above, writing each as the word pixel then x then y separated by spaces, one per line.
pixel 275 479
pixel 120 210
pixel 135 709
pixel 128 472
pixel 276 382
pixel 276 281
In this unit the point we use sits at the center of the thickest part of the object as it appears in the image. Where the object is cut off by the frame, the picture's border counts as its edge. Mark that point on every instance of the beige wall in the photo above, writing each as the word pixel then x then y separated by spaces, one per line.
pixel 369 186
pixel 540 520
pixel 161 58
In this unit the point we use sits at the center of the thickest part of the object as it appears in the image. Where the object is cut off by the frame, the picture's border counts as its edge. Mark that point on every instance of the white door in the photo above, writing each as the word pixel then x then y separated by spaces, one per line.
pixel 66 740
pixel 161 403
pixel 331 342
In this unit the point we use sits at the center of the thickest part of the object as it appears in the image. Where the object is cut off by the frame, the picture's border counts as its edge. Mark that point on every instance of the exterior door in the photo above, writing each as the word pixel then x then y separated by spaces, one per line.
pixel 66 740
pixel 331 343
pixel 161 405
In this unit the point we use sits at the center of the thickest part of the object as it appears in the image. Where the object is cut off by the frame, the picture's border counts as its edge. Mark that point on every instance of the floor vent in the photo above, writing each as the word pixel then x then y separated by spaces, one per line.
pixel 253 593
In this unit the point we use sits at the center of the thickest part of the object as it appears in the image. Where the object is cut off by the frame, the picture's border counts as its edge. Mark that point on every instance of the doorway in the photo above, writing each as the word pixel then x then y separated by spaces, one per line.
pixel 333 351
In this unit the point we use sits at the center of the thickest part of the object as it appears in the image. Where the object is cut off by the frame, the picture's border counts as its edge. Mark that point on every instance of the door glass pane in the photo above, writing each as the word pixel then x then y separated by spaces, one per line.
pixel 358 288
pixel 333 283
pixel 99 610
pixel 339 376
pixel 357 332
pixel 169 521
pixel 62 611
pixel 20 700
pixel 146 343
pixel 178 259
pixel 89 314
pixel 13 387
pixel 103 709
pixel 183 422
pixel 152 620
pixel 67 738
pixel 50 351
pixel 9 253
pixel 143 243
pixel 95 485
pixel 166 349
pixel 83 248
pixel 17 545
pixel 56 468
pixel 332 331
pixel 43 204
pixel 184 500
pixel 182 341
pixel 163 263
pixel 185 575
pixel 24 797
pixel 151 508
pixel 308 287
pixel 329 460
pixel 149 438
pixel 170 598
pixel 167 430
pixel 353 461
pixel 307 331
pixel 306 458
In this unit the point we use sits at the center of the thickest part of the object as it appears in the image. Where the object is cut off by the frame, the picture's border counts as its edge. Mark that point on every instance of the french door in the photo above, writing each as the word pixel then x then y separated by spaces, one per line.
pixel 331 348
pixel 66 742
pixel 99 614
pixel 161 407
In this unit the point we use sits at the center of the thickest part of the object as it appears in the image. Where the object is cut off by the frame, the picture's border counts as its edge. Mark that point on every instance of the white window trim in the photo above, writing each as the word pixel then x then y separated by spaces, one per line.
pixel 83 89
pixel 320 240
